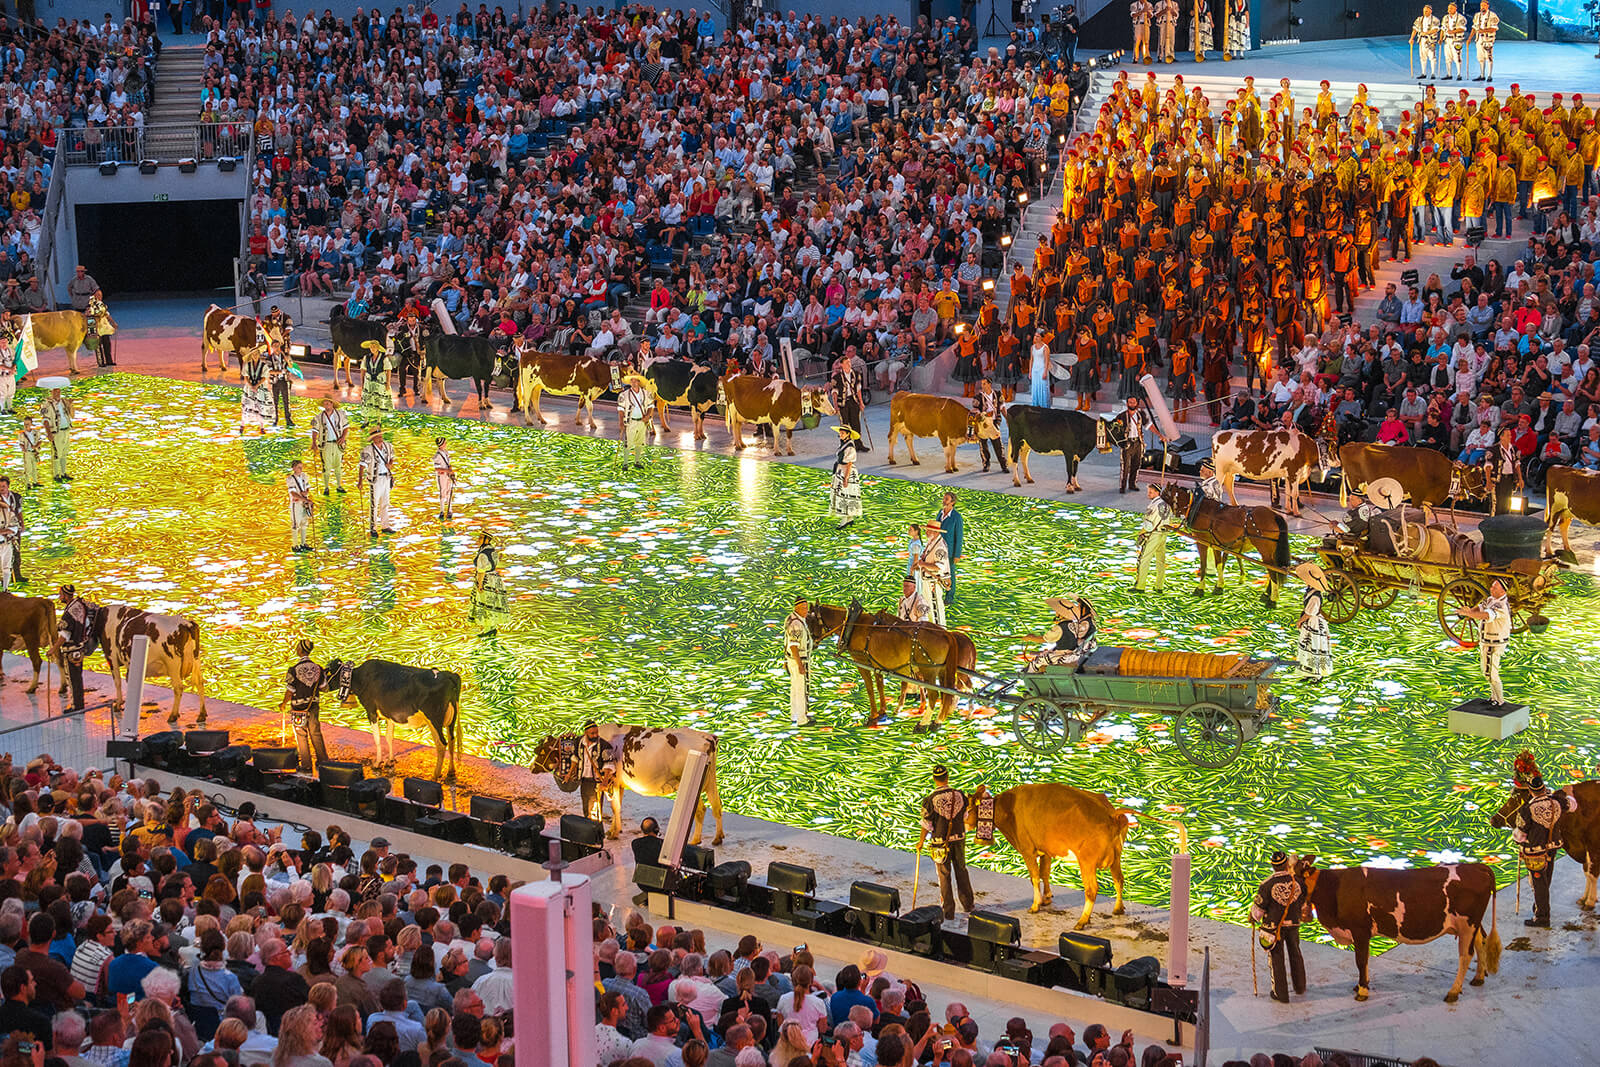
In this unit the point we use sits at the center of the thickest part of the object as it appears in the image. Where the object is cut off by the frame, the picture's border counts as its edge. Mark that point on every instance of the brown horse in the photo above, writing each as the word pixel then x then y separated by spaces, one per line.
pixel 1222 530
pixel 877 642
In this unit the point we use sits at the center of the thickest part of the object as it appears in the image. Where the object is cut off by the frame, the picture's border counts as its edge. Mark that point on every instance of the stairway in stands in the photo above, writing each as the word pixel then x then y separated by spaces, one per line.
pixel 178 78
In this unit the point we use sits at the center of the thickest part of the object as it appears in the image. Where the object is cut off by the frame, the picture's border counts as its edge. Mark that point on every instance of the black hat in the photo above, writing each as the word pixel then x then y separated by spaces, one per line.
pixel 1280 860
pixel 591 725
pixel 940 771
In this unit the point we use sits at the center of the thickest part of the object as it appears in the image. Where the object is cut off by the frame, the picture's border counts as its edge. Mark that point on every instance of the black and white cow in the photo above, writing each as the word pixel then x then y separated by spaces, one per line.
pixel 449 355
pixel 1052 431
pixel 174 650
pixel 681 383
pixel 398 692
pixel 349 334
pixel 649 761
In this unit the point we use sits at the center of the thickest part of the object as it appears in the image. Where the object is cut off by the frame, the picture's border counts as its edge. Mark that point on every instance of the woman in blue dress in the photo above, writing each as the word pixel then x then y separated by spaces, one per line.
pixel 1039 370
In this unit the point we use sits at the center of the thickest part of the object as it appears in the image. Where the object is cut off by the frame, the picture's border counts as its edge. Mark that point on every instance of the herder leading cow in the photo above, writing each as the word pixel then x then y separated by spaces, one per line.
pixel 174 652
pixel 924 415
pixel 224 332
pixel 398 692
pixel 1047 820
pixel 561 375
pixel 1052 431
pixel 1285 455
pixel 28 623
pixel 1411 906
pixel 348 333
pixel 681 383
pixel 772 402
pixel 651 763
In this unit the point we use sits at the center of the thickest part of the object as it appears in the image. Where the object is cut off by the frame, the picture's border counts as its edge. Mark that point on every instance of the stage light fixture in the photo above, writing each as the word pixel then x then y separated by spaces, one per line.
pixel 445 824
pixel 205 742
pixel 1296 20
pixel 423 791
pixel 108 169
pixel 485 818
pixel 581 837
pixel 523 836
pixel 1515 504
pixel 793 900
pixel 1022 198
pixel 147 166
pixel 1005 240
pixel 993 936
pixel 132 750
pixel 728 883
pixel 299 351
pixel 187 165
pixel 366 797
pixel 232 764
pixel 988 283
pixel 227 164
pixel 162 751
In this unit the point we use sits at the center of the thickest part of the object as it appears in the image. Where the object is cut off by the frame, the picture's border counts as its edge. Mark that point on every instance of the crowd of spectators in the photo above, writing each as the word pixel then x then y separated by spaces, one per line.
pixel 796 177
pixel 142 928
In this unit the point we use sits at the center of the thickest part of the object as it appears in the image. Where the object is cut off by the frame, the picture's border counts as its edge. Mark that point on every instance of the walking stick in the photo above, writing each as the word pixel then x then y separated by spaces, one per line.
pixel 1411 59
pixel 1255 990
pixel 916 877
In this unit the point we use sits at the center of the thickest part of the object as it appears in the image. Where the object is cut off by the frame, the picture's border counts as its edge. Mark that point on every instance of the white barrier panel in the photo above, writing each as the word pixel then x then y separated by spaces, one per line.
pixel 1178 931
pixel 134 690
pixel 553 973
pixel 681 821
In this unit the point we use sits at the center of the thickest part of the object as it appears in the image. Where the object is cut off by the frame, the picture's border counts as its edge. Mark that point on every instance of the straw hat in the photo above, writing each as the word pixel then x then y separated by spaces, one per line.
pixel 1386 493
pixel 1066 607
pixel 1313 575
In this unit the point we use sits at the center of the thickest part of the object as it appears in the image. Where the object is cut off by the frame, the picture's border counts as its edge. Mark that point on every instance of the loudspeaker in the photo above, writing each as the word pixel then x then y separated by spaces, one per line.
pixel 232 765
pixel 489 809
pixel 919 931
pixel 205 742
pixel 653 876
pixel 992 935
pixel 791 878
pixel 581 837
pixel 275 759
pixel 424 791
pixel 1034 968
pixel 522 836
pixel 367 796
pixel 1085 960
pixel 164 751
pixel 293 788
pixel 878 899
pixel 340 774
pixel 697 858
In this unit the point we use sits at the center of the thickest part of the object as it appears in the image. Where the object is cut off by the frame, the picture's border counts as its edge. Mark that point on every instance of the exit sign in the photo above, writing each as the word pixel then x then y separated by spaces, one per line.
pixel 159 196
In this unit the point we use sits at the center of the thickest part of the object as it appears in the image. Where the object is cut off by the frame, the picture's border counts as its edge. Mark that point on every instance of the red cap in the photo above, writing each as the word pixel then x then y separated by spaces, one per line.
pixel 1555 96
pixel 1326 83
pixel 1505 159
pixel 1544 159
pixel 1571 147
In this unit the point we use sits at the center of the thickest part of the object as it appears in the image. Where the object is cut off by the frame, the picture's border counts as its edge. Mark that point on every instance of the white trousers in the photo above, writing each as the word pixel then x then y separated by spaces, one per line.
pixel 8 390
pixel 1489 653
pixel 6 549
pixel 299 524
pixel 447 492
pixel 933 593
pixel 378 515
pixel 799 698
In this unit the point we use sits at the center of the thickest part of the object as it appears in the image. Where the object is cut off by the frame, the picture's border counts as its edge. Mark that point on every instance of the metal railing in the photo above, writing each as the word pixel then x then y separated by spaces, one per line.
pixel 76 739
pixel 164 143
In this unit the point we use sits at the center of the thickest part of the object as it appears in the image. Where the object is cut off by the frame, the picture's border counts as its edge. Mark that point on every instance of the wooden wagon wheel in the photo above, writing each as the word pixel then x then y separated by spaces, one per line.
pixel 1343 598
pixel 1045 725
pixel 1209 735
pixel 1377 597
pixel 1460 593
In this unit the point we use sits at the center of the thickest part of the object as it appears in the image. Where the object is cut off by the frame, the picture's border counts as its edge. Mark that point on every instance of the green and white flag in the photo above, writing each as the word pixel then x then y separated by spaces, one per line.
pixel 26 355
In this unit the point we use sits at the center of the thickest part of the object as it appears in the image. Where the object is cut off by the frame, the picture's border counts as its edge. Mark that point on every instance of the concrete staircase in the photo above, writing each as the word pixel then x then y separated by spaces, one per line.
pixel 178 80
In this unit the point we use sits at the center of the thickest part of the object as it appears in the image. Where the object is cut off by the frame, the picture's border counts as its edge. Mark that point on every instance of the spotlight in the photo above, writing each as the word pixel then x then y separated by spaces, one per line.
pixel 366 798
pixel 1515 503
pixel 108 169
pixel 299 351
pixel 793 900
pixel 444 824
pixel 147 166
pixel 187 166
pixel 227 164
pixel 1022 198
pixel 1062 139
pixel 232 764
pixel 1296 20
pixel 523 836
pixel 205 742
pixel 988 284
pixel 162 750
pixel 1005 240
pixel 729 882
pixel 961 328
pixel 336 777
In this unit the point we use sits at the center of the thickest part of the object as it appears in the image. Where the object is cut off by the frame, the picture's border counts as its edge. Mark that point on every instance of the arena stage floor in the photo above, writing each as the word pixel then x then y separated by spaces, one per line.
pixel 658 596
pixel 1536 66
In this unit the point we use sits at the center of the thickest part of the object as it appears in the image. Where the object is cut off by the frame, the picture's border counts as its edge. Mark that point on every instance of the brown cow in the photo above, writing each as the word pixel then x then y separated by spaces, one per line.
pixel 772 401
pixel 924 415
pixel 1428 476
pixel 560 375
pixel 1045 820
pixel 1285 455
pixel 1412 906
pixel 225 332
pixel 1570 493
pixel 28 623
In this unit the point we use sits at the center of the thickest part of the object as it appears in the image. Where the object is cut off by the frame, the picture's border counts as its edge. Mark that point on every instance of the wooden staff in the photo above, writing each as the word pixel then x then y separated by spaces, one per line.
pixel 916 878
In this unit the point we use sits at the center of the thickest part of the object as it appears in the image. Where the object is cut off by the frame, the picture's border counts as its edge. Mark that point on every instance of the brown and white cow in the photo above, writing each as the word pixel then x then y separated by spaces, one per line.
pixel 224 332
pixel 1412 906
pixel 924 415
pixel 770 401
pixel 28 623
pixel 1285 455
pixel 1570 493
pixel 559 374
pixel 174 650
pixel 650 762
pixel 1046 820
